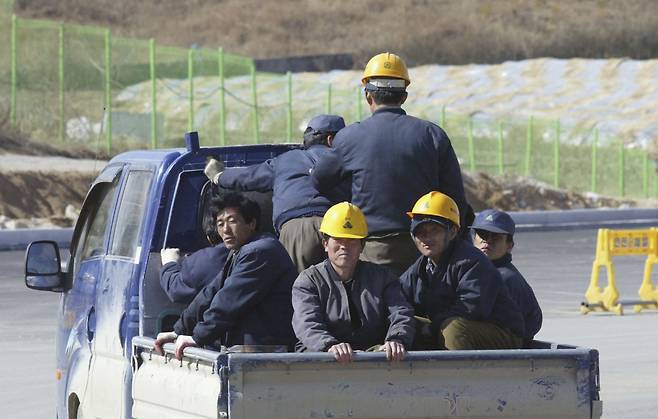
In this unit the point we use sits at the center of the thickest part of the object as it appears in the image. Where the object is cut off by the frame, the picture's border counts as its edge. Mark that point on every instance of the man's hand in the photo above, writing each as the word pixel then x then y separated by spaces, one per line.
pixel 394 350
pixel 342 352
pixel 213 169
pixel 170 254
pixel 183 342
pixel 161 339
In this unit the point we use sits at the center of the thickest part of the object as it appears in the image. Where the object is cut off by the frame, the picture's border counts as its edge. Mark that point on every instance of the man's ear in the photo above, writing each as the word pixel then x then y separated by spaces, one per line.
pixel 404 98
pixel 330 139
pixel 453 232
pixel 368 98
pixel 510 245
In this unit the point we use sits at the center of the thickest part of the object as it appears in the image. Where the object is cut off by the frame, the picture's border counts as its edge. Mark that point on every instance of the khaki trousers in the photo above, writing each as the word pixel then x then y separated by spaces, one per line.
pixel 458 333
pixel 396 251
pixel 302 239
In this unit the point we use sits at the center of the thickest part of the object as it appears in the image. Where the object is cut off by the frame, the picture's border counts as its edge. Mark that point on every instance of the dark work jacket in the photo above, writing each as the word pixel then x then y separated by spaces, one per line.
pixel 393 160
pixel 250 303
pixel 288 176
pixel 182 281
pixel 464 284
pixel 522 294
pixel 322 314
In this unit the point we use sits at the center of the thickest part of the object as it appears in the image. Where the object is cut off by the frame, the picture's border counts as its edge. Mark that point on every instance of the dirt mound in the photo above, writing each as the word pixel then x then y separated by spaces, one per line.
pixel 517 193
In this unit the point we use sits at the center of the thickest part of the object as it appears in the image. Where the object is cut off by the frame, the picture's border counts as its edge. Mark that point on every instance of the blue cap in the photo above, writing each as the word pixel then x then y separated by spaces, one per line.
pixel 421 219
pixel 494 221
pixel 326 123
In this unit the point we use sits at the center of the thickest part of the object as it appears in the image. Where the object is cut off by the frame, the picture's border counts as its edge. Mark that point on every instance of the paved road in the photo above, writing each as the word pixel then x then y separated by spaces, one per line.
pixel 557 265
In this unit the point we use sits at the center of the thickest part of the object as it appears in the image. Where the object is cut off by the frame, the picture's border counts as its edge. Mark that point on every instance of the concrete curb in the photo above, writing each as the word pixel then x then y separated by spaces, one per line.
pixel 525 221
pixel 19 239
pixel 583 219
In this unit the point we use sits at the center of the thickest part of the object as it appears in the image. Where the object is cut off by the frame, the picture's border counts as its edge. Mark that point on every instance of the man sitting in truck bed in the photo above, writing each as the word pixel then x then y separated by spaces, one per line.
pixel 250 302
pixel 494 236
pixel 343 304
pixel 183 280
pixel 454 286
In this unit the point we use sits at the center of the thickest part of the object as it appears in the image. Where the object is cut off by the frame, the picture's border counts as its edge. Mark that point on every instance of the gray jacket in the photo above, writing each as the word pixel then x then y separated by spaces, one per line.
pixel 322 316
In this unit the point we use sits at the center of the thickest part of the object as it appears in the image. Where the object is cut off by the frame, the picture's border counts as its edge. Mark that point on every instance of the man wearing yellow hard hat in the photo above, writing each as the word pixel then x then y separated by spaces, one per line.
pixel 455 289
pixel 392 159
pixel 344 304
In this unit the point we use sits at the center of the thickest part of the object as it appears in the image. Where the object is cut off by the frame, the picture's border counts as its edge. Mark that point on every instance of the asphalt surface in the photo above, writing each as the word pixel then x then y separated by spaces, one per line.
pixel 557 265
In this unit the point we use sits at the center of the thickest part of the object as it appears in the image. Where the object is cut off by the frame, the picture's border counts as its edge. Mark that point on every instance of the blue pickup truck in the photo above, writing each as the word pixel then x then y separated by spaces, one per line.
pixel 112 307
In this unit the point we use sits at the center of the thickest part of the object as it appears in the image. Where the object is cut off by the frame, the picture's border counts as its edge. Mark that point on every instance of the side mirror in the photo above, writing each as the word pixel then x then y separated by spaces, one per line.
pixel 43 266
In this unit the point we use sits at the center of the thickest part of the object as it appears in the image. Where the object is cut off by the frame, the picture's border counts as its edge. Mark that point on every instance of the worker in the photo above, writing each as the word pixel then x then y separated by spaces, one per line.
pixel 298 207
pixel 494 236
pixel 392 159
pixel 249 303
pixel 182 281
pixel 453 287
pixel 343 304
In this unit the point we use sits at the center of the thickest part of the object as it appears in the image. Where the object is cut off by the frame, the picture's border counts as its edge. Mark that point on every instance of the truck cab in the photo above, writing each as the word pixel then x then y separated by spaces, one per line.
pixel 112 307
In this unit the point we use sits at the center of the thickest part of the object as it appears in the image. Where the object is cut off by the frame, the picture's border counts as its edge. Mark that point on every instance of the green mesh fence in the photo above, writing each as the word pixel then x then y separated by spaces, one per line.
pixel 81 87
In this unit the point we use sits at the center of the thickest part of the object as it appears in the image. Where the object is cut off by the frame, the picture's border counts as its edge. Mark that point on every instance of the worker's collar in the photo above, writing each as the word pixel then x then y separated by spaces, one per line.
pixel 391 109
pixel 503 260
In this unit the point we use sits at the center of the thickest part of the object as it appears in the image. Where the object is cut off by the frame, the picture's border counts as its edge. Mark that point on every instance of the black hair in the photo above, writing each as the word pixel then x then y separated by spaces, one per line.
pixel 210 227
pixel 388 97
pixel 249 209
pixel 312 137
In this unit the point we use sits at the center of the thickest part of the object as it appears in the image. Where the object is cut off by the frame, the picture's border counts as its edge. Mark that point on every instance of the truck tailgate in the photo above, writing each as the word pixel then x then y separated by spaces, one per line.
pixel 467 384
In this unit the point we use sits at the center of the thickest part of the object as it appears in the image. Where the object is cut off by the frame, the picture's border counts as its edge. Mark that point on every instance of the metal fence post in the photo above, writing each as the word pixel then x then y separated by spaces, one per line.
pixel 622 168
pixel 594 158
pixel 443 117
pixel 154 97
pixel 12 94
pixel 108 88
pixel 359 104
pixel 190 79
pixel 556 155
pixel 528 145
pixel 254 95
pixel 289 124
pixel 501 166
pixel 471 146
pixel 222 97
pixel 60 73
pixel 329 98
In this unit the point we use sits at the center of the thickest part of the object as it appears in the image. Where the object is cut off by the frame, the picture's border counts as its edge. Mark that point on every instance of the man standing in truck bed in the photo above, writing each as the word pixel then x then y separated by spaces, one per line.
pixel 297 206
pixel 250 303
pixel 393 158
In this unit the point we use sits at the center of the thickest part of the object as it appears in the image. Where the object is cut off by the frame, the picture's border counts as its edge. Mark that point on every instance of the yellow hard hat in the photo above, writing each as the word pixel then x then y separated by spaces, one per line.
pixel 386 64
pixel 436 204
pixel 344 220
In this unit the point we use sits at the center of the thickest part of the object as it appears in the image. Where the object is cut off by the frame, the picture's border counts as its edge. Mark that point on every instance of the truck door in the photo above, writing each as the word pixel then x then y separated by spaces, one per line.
pixel 77 319
pixel 111 371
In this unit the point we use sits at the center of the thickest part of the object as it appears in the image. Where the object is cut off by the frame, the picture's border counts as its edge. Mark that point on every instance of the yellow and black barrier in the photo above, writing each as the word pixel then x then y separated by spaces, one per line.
pixel 611 243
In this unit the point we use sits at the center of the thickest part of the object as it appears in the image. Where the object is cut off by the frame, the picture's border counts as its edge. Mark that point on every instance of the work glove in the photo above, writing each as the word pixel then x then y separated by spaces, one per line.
pixel 213 169
pixel 170 254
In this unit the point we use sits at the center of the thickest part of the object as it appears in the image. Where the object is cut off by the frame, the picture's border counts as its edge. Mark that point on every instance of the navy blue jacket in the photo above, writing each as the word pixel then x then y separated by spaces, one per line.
pixel 522 294
pixel 464 284
pixel 250 303
pixel 288 176
pixel 182 281
pixel 393 159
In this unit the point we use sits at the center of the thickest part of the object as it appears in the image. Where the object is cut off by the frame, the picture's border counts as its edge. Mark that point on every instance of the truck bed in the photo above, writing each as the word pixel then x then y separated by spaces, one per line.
pixel 549 382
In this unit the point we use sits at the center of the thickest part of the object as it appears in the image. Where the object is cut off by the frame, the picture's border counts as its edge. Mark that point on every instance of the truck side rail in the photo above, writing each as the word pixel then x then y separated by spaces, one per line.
pixel 528 383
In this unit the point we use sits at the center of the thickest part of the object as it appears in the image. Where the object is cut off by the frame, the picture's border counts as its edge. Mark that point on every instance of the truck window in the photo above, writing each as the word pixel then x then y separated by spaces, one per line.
pixel 91 241
pixel 131 214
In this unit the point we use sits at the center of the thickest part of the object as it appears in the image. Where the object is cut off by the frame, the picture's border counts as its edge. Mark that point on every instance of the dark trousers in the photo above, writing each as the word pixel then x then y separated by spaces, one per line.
pixel 302 239
pixel 396 251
